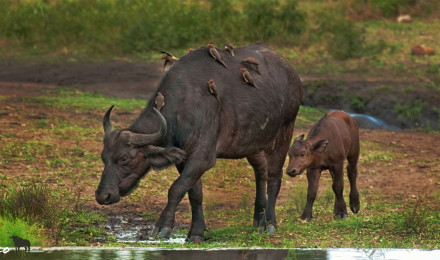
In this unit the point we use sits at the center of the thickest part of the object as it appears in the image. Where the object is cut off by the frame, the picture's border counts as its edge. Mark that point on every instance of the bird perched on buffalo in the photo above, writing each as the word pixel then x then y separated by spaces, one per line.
pixel 214 53
pixel 247 77
pixel 213 89
pixel 169 58
pixel 159 101
pixel 229 47
pixel 252 63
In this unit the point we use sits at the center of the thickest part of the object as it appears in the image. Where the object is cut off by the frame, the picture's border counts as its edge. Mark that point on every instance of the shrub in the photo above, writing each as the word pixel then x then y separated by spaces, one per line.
pixel 21 229
pixel 415 217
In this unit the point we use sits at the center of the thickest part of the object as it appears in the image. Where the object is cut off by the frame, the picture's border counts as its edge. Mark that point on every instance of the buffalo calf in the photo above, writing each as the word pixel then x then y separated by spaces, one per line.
pixel 330 141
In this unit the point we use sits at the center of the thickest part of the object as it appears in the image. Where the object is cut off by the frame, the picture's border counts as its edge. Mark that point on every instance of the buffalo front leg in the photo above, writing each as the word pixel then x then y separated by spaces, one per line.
pixel 259 164
pixel 198 225
pixel 340 209
pixel 194 168
pixel 313 176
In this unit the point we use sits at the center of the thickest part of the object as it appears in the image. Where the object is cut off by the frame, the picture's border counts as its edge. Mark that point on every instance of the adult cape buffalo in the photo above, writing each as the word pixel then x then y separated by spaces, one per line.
pixel 194 128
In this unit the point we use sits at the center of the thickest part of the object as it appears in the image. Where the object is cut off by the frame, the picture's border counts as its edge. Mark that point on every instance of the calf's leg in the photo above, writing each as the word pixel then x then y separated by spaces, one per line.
pixel 352 172
pixel 340 209
pixel 313 176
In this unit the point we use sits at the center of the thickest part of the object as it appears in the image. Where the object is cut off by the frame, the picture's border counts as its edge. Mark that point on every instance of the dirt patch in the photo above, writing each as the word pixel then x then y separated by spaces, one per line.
pixel 117 79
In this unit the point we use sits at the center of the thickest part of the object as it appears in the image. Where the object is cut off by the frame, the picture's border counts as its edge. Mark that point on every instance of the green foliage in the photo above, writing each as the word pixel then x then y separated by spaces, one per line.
pixel 410 110
pixel 308 116
pixel 21 229
pixel 415 217
pixel 145 25
pixel 388 7
pixel 358 103
pixel 33 203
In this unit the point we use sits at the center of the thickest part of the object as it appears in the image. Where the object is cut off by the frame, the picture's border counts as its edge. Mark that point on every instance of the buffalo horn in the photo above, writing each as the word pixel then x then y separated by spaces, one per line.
pixel 107 125
pixel 144 139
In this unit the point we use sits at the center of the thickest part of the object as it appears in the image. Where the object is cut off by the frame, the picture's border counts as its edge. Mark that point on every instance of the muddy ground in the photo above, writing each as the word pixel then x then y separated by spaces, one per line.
pixel 414 170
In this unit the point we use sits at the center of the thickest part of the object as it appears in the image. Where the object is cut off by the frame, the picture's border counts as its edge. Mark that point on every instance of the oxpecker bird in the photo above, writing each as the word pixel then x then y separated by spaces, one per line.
pixel 230 48
pixel 253 63
pixel 214 53
pixel 159 101
pixel 169 58
pixel 247 77
pixel 213 89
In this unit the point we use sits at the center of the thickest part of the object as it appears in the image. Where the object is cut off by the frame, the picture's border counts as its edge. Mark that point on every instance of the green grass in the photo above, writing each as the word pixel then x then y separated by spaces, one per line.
pixel 84 101
pixel 372 152
pixel 308 116
pixel 20 228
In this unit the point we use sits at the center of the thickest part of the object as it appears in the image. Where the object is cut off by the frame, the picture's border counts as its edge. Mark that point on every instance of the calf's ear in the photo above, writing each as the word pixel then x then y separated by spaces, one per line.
pixel 299 138
pixel 320 146
pixel 160 157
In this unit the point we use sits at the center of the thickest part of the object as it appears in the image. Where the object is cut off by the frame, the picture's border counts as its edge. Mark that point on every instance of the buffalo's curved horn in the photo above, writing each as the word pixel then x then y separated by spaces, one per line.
pixel 144 139
pixel 107 125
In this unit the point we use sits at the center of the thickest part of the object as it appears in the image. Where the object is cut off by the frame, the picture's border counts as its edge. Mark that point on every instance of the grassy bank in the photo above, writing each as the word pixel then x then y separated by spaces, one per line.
pixel 54 153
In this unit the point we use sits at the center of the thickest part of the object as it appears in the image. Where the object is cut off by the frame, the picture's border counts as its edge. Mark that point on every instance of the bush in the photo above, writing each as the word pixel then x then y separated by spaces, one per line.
pixel 143 25
pixel 34 204
pixel 21 229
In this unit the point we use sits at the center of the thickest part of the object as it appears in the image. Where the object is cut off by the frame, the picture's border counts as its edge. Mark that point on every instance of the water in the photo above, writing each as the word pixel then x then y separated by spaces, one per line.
pixel 131 228
pixel 369 122
pixel 80 253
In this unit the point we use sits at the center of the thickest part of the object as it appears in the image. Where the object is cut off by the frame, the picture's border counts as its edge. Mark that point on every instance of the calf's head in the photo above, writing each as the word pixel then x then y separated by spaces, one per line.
pixel 128 156
pixel 304 153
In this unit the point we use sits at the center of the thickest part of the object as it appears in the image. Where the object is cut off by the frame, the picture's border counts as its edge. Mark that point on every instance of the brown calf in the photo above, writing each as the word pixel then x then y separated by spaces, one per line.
pixel 331 140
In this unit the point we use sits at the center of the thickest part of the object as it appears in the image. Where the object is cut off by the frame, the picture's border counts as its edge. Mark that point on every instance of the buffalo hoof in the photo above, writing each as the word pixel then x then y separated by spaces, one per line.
pixel 355 207
pixel 195 239
pixel 163 233
pixel 341 216
pixel 271 229
pixel 306 220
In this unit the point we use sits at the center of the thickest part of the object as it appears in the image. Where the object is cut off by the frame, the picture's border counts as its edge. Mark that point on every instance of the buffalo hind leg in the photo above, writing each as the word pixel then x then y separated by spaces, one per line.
pixel 313 176
pixel 340 209
pixel 259 164
pixel 198 225
pixel 194 168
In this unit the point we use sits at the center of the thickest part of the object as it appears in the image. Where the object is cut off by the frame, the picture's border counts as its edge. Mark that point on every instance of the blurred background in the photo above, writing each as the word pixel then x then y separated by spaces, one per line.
pixel 379 57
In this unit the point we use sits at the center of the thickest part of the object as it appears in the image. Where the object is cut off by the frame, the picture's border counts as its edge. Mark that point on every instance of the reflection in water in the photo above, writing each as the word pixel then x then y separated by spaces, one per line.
pixel 83 253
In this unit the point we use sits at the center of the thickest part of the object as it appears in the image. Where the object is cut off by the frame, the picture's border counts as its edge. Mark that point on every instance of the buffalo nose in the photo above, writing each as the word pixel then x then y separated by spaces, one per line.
pixel 102 198
pixel 291 171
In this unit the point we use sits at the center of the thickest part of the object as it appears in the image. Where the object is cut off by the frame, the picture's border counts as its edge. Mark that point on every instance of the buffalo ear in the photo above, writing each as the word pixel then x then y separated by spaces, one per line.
pixel 299 138
pixel 160 157
pixel 320 146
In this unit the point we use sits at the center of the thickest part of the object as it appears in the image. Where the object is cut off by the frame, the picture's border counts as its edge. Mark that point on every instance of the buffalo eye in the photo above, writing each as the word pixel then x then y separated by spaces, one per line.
pixel 303 154
pixel 124 160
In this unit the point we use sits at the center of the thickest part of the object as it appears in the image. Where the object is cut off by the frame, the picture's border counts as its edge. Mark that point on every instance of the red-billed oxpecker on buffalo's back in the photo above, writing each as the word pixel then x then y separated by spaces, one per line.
pixel 193 129
pixel 330 141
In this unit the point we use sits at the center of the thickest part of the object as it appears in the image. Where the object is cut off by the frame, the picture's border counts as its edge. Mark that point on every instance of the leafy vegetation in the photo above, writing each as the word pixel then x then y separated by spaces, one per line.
pixel 141 25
